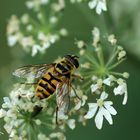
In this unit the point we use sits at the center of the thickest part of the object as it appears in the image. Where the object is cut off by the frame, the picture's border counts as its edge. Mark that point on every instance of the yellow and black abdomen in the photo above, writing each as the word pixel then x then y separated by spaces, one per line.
pixel 47 85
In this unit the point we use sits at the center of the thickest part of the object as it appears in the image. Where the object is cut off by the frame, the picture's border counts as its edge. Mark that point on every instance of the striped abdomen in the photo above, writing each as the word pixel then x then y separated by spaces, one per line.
pixel 47 86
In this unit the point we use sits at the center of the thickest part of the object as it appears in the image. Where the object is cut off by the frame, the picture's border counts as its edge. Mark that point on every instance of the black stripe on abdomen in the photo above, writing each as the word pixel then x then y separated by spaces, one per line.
pixel 42 92
pixel 45 87
pixel 53 78
pixel 48 81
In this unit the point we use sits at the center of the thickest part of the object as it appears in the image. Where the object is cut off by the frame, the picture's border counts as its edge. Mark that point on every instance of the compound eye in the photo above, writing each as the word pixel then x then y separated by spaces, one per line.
pixel 76 63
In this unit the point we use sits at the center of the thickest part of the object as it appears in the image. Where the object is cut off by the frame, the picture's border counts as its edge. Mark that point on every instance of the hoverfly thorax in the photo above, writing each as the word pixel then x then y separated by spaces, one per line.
pixel 67 65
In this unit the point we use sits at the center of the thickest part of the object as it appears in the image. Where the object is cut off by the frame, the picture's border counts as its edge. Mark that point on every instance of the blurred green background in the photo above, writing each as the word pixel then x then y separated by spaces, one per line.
pixel 122 19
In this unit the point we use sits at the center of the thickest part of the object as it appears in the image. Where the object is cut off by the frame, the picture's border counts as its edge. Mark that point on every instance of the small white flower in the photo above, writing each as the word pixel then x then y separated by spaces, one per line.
pixel 38 122
pixel 58 6
pixel 80 44
pixel 120 48
pixel 58 135
pixel 105 109
pixel 44 1
pixel 25 19
pixel 96 36
pixel 108 81
pixel 12 134
pixel 100 5
pixel 53 20
pixel 62 115
pixel 122 89
pixel 126 75
pixel 2 113
pixel 112 39
pixel 63 32
pixel 82 51
pixel 35 4
pixel 7 103
pixel 29 4
pixel 12 40
pixel 94 78
pixel 61 3
pixel 121 54
pixel 8 128
pixel 85 65
pixel 35 49
pixel 29 27
pixel 80 103
pixel 71 123
pixel 13 25
pixel 27 41
pixel 95 87
pixel 41 136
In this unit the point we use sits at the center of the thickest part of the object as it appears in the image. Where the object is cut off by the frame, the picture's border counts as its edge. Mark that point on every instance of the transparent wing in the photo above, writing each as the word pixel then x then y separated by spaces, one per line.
pixel 63 99
pixel 32 71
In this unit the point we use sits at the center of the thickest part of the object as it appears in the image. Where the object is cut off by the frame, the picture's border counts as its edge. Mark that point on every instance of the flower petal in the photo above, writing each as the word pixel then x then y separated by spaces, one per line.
pixel 125 98
pixel 104 95
pixel 71 123
pixel 110 108
pixel 92 110
pixel 107 115
pixel 94 87
pixel 107 81
pixel 99 119
pixel 108 103
pixel 92 4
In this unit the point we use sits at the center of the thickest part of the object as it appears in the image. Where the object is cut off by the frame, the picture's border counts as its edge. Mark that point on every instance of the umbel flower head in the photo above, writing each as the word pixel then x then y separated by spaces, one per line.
pixel 36 33
pixel 20 123
pixel 100 78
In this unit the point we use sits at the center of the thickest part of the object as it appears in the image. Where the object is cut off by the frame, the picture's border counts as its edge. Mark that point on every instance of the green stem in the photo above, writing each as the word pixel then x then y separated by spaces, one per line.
pixel 29 132
pixel 92 59
pixel 88 73
pixel 114 54
pixel 116 73
pixel 116 64
pixel 86 84
pixel 100 56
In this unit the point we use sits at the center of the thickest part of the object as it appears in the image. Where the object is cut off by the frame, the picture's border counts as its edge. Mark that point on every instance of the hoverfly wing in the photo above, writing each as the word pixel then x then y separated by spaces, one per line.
pixel 63 98
pixel 32 71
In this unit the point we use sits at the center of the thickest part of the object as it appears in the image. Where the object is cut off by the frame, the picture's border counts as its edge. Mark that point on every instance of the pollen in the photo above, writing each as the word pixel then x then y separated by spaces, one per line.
pixel 100 102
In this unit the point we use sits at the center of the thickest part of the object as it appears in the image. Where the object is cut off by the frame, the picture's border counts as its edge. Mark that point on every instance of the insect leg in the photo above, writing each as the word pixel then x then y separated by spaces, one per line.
pixel 56 119
pixel 28 83
pixel 77 76
pixel 75 92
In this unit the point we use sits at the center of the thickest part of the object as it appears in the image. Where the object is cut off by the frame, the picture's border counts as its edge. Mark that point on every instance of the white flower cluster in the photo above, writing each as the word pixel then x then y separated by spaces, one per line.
pixel 105 108
pixel 36 35
pixel 98 5
pixel 18 109
pixel 100 76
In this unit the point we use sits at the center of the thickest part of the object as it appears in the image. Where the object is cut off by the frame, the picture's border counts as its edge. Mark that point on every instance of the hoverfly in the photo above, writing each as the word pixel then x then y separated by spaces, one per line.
pixel 52 78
